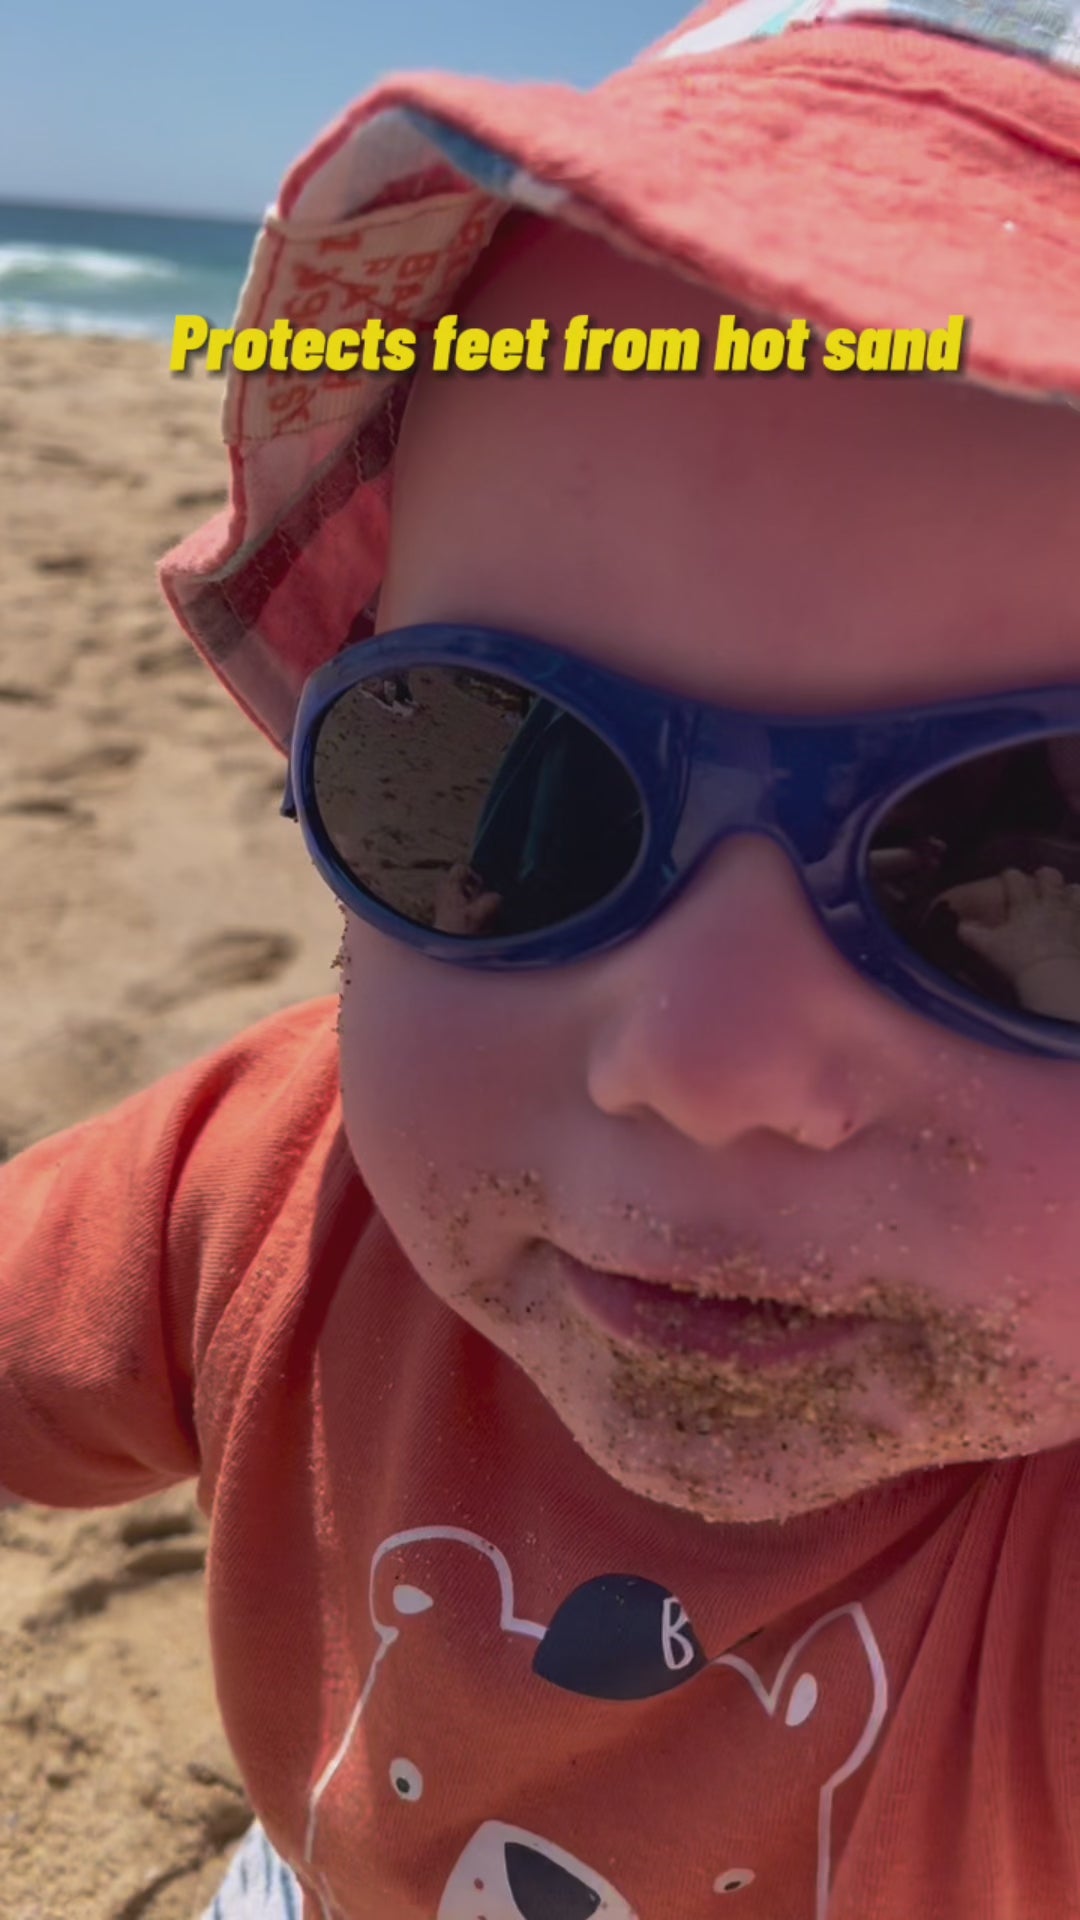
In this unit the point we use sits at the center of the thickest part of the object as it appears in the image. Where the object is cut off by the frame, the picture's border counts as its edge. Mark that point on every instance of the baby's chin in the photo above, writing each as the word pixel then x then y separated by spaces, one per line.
pixel 732 1446
pixel 742 1478
pixel 756 1470
pixel 746 1420
pixel 753 1474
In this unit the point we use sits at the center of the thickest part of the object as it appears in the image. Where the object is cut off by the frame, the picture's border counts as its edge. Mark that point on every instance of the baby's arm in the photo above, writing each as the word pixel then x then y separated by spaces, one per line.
pixel 125 1240
pixel 95 1404
pixel 1028 927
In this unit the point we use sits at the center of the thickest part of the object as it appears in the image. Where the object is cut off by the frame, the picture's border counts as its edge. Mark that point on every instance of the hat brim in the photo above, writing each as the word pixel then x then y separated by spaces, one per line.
pixel 855 175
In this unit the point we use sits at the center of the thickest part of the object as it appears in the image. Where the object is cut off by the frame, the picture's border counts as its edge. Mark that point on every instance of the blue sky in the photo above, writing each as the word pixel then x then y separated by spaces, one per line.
pixel 200 107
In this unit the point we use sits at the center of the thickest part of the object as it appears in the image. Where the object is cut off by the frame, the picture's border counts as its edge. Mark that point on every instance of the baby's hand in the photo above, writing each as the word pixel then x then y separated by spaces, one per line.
pixel 1028 927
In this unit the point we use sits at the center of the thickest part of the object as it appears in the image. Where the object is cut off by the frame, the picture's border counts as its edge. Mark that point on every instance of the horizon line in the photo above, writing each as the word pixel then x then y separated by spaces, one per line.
pixel 153 213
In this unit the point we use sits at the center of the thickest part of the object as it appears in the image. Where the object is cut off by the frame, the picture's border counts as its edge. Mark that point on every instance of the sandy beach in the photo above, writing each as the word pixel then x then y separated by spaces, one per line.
pixel 154 904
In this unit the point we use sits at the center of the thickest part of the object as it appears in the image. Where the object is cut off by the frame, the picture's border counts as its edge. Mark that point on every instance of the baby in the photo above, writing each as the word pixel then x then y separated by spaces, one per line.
pixel 631 1358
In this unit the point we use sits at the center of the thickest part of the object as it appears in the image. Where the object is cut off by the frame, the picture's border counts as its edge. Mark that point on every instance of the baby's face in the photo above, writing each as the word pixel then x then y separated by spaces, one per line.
pixel 722 1100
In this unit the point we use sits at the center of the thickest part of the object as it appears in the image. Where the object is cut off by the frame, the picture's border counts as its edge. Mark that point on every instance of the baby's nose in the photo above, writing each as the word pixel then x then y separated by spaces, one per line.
pixel 732 1011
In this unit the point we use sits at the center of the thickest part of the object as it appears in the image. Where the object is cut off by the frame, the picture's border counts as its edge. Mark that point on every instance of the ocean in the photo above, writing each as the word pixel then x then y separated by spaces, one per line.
pixel 91 270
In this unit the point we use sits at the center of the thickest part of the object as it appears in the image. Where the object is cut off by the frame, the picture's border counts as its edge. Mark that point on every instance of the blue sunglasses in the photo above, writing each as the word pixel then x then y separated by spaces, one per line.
pixel 496 802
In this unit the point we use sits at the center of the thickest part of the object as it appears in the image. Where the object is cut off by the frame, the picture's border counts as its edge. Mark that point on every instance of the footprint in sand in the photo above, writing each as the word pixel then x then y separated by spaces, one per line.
pixel 200 497
pixel 85 1066
pixel 18 693
pixel 88 767
pixel 113 756
pixel 56 456
pixel 152 1521
pixel 201 698
pixel 171 659
pixel 50 806
pixel 68 563
pixel 239 957
pixel 121 1559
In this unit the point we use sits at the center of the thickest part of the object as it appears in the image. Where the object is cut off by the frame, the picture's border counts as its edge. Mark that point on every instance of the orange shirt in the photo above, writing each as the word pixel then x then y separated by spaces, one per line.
pixel 467 1676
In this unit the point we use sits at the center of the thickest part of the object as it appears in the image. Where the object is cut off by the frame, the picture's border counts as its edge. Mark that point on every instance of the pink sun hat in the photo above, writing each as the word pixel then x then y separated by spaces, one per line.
pixel 850 162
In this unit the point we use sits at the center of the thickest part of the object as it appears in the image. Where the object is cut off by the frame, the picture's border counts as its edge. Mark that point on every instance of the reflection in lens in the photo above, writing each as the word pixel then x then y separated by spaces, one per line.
pixel 979 871
pixel 468 804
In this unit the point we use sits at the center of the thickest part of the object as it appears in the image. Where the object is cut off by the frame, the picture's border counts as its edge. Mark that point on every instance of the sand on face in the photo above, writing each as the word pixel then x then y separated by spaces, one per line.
pixel 153 905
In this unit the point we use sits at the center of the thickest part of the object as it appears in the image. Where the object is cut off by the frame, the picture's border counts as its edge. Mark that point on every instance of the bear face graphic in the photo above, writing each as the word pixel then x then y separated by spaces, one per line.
pixel 497 1768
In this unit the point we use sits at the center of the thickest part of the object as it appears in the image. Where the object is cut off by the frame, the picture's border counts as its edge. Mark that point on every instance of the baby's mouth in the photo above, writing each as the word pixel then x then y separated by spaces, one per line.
pixel 756 1332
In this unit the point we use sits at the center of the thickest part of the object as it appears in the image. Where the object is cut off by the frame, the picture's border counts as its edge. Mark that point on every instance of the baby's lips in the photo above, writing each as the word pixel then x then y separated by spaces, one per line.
pixel 732 1280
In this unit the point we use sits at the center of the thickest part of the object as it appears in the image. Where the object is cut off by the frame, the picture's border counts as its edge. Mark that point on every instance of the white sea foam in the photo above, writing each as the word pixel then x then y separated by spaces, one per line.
pixel 61 270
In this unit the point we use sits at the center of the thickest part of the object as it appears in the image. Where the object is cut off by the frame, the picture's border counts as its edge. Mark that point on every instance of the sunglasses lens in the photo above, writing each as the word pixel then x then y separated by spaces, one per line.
pixel 466 803
pixel 979 871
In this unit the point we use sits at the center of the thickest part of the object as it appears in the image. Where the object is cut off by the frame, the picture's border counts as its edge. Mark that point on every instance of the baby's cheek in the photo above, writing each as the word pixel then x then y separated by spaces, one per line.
pixel 1030 1200
pixel 441 1084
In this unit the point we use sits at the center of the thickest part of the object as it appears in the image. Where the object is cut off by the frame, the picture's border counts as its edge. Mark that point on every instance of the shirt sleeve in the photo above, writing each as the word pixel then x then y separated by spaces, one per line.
pixel 121 1242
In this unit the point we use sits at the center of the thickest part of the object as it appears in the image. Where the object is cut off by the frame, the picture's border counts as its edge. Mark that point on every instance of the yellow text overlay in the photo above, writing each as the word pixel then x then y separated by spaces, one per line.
pixel 582 348
pixel 285 349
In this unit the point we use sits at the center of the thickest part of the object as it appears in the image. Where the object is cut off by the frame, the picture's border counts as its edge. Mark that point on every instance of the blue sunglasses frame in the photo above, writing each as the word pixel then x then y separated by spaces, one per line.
pixel 819 787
